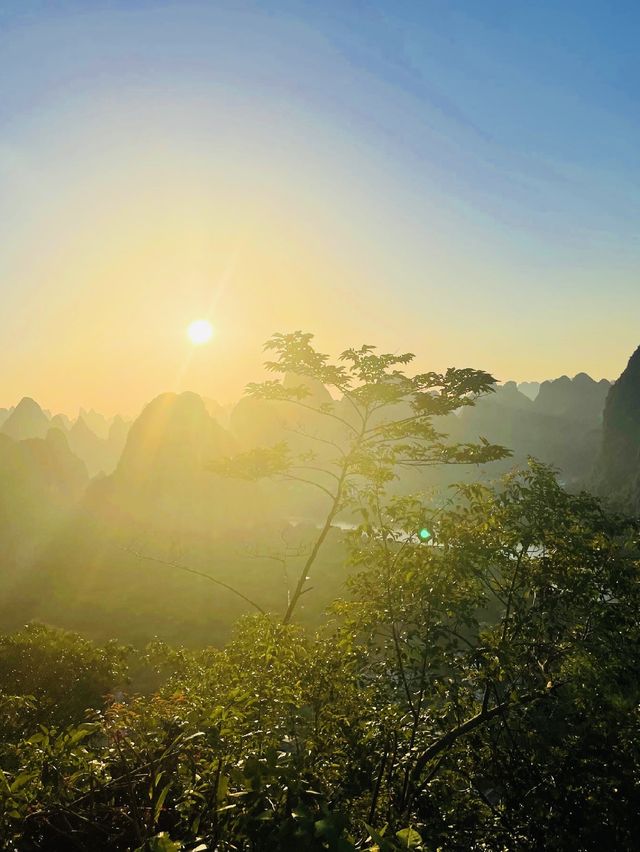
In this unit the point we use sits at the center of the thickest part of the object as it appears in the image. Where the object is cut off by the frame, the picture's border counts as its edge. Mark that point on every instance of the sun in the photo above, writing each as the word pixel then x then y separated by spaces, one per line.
pixel 200 331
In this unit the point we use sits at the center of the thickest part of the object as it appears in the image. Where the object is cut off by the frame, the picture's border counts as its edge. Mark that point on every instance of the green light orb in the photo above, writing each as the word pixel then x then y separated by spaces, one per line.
pixel 424 534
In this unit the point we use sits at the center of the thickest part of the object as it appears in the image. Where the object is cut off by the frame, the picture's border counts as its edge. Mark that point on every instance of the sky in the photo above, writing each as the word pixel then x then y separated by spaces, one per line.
pixel 457 179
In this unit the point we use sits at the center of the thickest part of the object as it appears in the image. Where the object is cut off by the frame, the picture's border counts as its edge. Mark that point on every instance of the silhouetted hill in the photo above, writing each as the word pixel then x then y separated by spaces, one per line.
pixel 530 389
pixel 62 422
pixel 27 420
pixel 96 422
pixel 617 474
pixel 510 396
pixel 561 426
pixel 580 398
pixel 258 422
pixel 94 451
pixel 220 413
pixel 174 437
pixel 117 439
pixel 44 464
pixel 100 455
pixel 41 482
pixel 163 480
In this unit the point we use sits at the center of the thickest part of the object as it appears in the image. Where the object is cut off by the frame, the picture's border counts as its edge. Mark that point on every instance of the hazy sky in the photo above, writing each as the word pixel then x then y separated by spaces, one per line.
pixel 461 179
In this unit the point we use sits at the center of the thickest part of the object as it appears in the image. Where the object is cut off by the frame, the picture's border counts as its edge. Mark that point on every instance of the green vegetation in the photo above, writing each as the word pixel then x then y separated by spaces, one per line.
pixel 382 425
pixel 474 688
pixel 481 692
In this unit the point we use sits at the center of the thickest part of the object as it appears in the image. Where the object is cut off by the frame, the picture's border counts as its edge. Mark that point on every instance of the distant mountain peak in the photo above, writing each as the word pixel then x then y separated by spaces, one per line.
pixel 176 433
pixel 27 420
pixel 59 421
pixel 580 398
pixel 81 428
pixel 584 378
pixel 28 405
pixel 96 422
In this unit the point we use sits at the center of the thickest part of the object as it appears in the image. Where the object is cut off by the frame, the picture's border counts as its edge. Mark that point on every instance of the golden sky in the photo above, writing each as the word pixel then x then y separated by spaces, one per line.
pixel 166 165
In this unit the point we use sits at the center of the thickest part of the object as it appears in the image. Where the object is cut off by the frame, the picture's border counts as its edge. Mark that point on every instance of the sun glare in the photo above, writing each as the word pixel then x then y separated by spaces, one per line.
pixel 200 332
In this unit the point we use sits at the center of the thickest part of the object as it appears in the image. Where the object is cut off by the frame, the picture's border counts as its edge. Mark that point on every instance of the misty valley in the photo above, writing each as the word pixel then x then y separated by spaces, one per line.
pixel 89 505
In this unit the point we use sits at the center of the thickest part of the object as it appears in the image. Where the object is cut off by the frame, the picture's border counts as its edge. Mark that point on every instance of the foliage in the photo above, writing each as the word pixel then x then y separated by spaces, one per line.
pixel 383 423
pixel 479 691
pixel 509 647
pixel 64 673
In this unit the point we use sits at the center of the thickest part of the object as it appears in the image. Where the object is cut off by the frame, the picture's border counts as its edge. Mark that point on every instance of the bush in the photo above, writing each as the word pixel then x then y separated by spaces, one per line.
pixel 63 672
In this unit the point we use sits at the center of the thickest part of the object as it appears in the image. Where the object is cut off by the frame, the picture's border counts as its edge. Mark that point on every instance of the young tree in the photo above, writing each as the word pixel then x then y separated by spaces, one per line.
pixel 380 424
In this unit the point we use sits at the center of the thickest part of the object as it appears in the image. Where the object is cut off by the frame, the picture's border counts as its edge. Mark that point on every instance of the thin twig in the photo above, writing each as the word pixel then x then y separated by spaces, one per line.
pixel 197 573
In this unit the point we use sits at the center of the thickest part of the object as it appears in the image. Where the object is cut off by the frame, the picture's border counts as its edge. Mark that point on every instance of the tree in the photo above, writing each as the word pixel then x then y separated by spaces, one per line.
pixel 506 662
pixel 356 446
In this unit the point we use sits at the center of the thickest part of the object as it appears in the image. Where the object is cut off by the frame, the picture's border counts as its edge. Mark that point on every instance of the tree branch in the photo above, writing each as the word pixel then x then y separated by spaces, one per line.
pixel 471 724
pixel 290 476
pixel 197 573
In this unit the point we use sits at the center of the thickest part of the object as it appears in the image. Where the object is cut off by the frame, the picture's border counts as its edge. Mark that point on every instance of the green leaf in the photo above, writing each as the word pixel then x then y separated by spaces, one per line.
pixel 160 801
pixel 4 782
pixel 223 788
pixel 20 781
pixel 376 836
pixel 82 732
pixel 409 838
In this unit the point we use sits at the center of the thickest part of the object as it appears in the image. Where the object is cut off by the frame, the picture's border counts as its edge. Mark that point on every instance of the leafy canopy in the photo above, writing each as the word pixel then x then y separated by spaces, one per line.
pixel 377 422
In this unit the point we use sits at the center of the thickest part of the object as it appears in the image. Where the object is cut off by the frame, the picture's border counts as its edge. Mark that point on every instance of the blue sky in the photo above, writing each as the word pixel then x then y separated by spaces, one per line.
pixel 470 168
